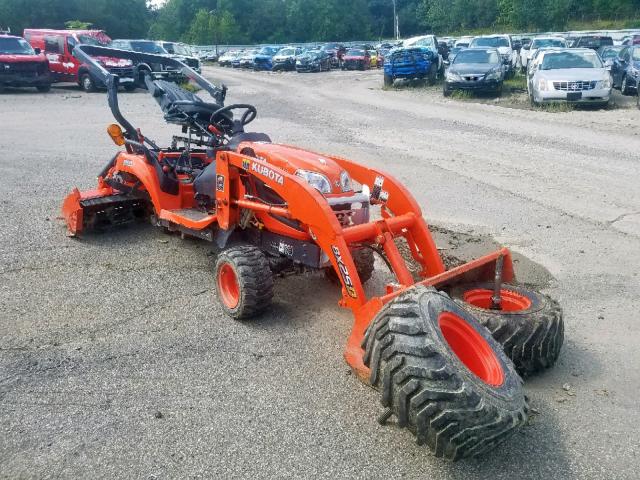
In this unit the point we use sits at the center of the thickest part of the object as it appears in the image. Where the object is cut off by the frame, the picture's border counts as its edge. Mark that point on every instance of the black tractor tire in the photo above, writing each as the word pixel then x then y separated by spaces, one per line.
pixel 244 281
pixel 43 88
pixel 87 83
pixel 531 333
pixel 625 89
pixel 429 384
pixel 388 80
pixel 365 266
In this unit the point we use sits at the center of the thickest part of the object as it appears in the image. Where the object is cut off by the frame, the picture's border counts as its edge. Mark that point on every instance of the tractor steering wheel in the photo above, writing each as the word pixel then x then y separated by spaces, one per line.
pixel 247 117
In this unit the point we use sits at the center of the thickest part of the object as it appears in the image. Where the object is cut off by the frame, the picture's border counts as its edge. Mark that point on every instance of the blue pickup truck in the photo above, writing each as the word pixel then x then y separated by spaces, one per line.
pixel 416 59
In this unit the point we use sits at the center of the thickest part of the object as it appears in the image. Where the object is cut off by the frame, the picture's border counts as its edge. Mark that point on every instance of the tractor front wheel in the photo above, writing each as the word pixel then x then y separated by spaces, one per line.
pixel 529 325
pixel 443 375
pixel 244 281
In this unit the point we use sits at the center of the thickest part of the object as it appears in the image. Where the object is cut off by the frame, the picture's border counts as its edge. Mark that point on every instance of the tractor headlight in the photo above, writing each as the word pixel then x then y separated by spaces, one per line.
pixel 345 182
pixel 316 180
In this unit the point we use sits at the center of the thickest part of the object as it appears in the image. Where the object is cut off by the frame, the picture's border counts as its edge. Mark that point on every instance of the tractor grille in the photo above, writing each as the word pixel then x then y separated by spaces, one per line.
pixel 577 86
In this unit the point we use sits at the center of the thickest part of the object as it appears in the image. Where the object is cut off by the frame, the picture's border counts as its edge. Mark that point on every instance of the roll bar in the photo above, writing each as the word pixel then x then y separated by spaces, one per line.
pixel 87 53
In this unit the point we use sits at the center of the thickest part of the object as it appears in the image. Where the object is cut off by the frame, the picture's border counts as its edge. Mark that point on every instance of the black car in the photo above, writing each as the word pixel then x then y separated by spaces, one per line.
pixel 625 70
pixel 313 61
pixel 477 70
pixel 593 42
pixel 335 51
pixel 158 71
pixel 609 54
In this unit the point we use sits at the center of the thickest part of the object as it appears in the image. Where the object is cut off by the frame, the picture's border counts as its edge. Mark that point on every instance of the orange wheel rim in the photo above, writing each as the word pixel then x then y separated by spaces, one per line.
pixel 471 348
pixel 511 301
pixel 228 286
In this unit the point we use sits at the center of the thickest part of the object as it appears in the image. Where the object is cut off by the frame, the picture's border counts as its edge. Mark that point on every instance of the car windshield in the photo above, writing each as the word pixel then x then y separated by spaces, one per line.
pixel 355 52
pixel 610 52
pixel 548 42
pixel 91 40
pixel 490 42
pixel 477 56
pixel 592 42
pixel 421 42
pixel 567 59
pixel 268 51
pixel 15 46
pixel 286 52
pixel 182 50
pixel 636 54
pixel 148 47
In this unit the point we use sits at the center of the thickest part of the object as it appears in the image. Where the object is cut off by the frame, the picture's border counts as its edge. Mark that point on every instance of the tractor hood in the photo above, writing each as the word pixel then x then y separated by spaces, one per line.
pixel 292 159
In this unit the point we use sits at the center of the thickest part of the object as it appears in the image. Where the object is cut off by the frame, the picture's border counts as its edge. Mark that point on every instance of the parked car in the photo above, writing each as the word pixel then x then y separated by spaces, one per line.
pixel 443 49
pixel 453 52
pixel 21 65
pixel 182 53
pixel 463 42
pixel 631 40
pixel 263 60
pixel 503 44
pixel 227 57
pixel 208 56
pixel 157 70
pixel 593 42
pixel 416 59
pixel 313 61
pixel 58 47
pixel 625 70
pixel 609 54
pixel 539 42
pixel 336 53
pixel 574 75
pixel 357 59
pixel 285 59
pixel 246 59
pixel 475 70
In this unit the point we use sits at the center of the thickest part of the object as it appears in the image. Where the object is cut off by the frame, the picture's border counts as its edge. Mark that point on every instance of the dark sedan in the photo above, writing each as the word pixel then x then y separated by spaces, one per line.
pixel 477 70
pixel 313 61
pixel 625 70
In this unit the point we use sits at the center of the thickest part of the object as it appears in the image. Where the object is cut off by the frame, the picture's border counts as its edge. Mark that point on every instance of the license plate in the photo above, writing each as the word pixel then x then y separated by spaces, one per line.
pixel 574 96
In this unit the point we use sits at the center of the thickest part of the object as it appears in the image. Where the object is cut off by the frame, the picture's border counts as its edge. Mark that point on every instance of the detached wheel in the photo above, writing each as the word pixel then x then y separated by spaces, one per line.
pixel 87 83
pixel 365 266
pixel 244 281
pixel 443 375
pixel 529 326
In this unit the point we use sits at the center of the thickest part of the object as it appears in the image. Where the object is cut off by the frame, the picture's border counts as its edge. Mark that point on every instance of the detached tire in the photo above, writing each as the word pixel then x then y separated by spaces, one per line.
pixel 443 375
pixel 244 281
pixel 530 327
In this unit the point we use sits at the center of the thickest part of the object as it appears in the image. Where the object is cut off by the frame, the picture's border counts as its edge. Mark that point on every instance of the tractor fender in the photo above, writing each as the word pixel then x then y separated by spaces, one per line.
pixel 138 166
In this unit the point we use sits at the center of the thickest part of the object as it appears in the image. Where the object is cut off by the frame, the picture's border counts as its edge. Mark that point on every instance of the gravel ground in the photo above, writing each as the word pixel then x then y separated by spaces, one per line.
pixel 116 360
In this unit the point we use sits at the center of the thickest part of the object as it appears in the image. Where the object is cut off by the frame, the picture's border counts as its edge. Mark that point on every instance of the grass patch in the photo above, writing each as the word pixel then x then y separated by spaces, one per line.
pixel 190 87
pixel 555 107
pixel 461 95
pixel 516 84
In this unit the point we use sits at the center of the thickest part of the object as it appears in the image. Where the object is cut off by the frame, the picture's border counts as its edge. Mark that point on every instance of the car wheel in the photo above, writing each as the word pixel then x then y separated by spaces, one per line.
pixel 625 88
pixel 445 91
pixel 43 88
pixel 87 83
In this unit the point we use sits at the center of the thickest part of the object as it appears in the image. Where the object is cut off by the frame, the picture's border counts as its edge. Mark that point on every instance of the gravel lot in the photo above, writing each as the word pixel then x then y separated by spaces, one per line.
pixel 116 360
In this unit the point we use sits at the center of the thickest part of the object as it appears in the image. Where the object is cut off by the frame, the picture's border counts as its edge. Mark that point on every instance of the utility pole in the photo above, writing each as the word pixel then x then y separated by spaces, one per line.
pixel 396 27
pixel 213 14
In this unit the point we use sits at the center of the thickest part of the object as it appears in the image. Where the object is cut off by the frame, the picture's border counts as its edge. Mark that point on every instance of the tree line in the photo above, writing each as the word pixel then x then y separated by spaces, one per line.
pixel 281 21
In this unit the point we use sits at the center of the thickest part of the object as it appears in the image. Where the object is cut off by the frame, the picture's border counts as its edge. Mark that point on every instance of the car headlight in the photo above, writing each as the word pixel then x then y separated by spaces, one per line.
pixel 542 85
pixel 316 180
pixel 345 182
pixel 606 83
pixel 453 77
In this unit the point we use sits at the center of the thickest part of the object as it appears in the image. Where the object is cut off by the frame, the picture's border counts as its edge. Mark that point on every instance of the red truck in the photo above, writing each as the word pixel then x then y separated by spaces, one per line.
pixel 58 46
pixel 21 65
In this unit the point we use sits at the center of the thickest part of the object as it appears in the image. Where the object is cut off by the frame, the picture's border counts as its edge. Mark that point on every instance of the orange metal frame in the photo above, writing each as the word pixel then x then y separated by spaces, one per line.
pixel 401 217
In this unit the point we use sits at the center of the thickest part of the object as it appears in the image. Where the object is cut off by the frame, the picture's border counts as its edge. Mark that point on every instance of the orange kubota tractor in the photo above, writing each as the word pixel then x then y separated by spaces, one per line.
pixel 426 343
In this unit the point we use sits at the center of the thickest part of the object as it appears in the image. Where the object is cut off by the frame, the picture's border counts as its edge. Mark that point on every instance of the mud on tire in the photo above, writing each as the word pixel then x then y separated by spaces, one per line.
pixel 425 371
pixel 530 328
pixel 244 281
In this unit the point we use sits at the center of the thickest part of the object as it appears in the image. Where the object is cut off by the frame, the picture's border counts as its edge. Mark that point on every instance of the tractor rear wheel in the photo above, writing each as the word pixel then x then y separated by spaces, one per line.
pixel 443 375
pixel 244 281
pixel 529 325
